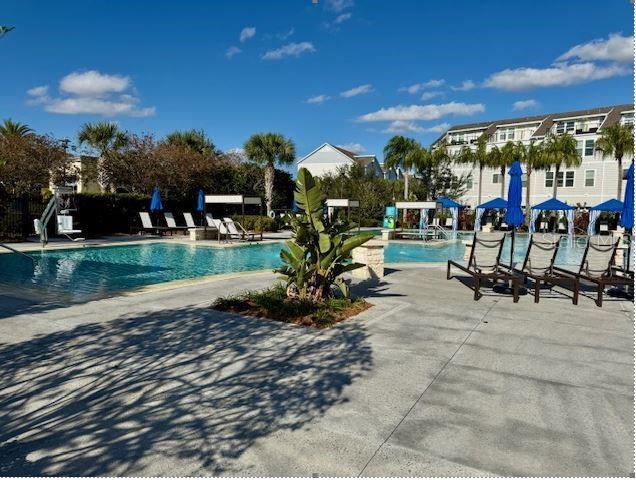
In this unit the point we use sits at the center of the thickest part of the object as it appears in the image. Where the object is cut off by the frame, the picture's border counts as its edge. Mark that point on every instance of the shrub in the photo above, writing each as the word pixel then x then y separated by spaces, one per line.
pixel 370 222
pixel 257 223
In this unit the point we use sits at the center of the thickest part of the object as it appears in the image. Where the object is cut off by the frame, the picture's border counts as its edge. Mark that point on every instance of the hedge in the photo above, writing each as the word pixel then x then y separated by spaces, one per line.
pixel 257 223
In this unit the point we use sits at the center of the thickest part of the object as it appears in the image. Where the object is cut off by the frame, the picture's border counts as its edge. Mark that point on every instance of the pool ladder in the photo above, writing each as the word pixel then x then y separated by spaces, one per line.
pixel 18 252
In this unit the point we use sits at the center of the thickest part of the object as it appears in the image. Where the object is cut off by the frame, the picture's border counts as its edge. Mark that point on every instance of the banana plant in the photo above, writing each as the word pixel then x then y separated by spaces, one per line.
pixel 320 250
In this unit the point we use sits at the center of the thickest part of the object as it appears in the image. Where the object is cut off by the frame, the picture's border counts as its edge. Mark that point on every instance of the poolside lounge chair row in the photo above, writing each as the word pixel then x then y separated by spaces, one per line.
pixel 227 227
pixel 597 265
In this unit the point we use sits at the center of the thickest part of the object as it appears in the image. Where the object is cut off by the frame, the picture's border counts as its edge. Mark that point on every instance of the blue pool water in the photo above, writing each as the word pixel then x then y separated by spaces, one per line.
pixel 94 272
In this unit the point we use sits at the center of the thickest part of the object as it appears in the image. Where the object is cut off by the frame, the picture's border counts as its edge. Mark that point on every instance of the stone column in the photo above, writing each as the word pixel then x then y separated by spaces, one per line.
pixel 371 254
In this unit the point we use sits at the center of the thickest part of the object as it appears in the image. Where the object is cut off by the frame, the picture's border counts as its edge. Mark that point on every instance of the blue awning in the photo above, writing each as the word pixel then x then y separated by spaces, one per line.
pixel 449 203
pixel 552 204
pixel 612 205
pixel 494 203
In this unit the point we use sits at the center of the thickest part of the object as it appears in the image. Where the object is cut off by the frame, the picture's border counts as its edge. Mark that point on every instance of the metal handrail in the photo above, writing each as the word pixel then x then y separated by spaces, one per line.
pixel 11 249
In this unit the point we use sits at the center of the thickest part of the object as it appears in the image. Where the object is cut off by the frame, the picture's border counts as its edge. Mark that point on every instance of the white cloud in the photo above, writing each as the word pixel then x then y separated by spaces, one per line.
pixel 318 99
pixel 91 93
pixel 338 5
pixel 247 33
pixel 289 50
pixel 417 87
pixel 616 48
pixel 402 126
pixel 465 86
pixel 560 74
pixel 422 112
pixel 429 95
pixel 232 51
pixel 287 34
pixel 356 148
pixel 93 84
pixel 359 90
pixel 343 17
pixel 525 104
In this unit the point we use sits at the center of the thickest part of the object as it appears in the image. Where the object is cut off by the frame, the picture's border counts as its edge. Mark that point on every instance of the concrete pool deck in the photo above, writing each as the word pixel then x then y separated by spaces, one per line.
pixel 428 382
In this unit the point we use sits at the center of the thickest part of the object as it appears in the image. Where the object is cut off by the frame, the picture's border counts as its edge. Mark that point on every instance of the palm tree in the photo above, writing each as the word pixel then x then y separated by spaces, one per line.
pixel 269 149
pixel 617 140
pixel 560 151
pixel 106 138
pixel 405 153
pixel 478 158
pixel 502 158
pixel 532 157
pixel 195 140
pixel 11 128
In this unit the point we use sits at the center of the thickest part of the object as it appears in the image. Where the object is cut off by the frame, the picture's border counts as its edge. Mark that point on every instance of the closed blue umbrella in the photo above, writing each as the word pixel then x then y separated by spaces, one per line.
pixel 514 214
pixel 200 201
pixel 155 201
pixel 627 215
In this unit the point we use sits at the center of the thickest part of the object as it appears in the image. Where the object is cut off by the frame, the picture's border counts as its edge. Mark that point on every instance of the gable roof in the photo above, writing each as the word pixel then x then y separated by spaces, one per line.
pixel 552 204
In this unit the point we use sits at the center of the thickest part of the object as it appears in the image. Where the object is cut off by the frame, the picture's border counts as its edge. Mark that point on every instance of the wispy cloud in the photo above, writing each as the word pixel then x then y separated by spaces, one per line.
pixel 318 99
pixel 465 86
pixel 343 17
pixel 402 126
pixel 422 112
pixel 247 33
pixel 287 34
pixel 525 104
pixel 616 48
pixel 353 147
pixel 338 5
pixel 561 74
pixel 417 87
pixel 433 94
pixel 289 50
pixel 360 90
pixel 230 52
pixel 91 92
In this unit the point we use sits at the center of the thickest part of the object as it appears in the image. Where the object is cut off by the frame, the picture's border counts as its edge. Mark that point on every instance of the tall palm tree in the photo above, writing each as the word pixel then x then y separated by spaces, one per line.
pixel 405 153
pixel 478 158
pixel 617 140
pixel 195 140
pixel 532 157
pixel 269 149
pixel 11 128
pixel 502 158
pixel 106 138
pixel 560 151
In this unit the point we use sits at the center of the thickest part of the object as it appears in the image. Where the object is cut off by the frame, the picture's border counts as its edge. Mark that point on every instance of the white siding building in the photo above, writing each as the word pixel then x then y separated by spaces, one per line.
pixel 328 159
pixel 592 183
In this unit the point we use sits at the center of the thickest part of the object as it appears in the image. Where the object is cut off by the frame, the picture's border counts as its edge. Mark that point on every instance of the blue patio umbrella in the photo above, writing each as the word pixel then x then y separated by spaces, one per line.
pixel 155 201
pixel 200 201
pixel 514 215
pixel 627 215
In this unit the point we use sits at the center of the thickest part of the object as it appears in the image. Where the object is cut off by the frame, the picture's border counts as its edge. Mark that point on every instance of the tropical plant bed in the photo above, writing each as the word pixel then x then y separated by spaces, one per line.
pixel 274 304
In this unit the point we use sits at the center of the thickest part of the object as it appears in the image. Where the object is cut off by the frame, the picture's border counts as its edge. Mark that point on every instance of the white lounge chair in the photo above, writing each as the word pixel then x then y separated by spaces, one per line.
pixel 172 224
pixel 65 227
pixel 218 224
pixel 189 220
pixel 243 234
pixel 147 226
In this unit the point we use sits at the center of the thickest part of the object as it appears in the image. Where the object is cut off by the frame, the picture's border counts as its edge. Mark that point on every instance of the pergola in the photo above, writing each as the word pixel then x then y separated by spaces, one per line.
pixel 612 206
pixel 423 207
pixel 333 203
pixel 553 204
pixel 241 200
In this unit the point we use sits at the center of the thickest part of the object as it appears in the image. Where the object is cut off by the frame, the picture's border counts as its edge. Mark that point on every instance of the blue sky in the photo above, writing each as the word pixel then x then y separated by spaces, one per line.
pixel 339 71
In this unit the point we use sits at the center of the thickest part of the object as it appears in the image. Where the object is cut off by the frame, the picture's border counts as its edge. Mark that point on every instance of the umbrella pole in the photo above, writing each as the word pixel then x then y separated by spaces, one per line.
pixel 512 249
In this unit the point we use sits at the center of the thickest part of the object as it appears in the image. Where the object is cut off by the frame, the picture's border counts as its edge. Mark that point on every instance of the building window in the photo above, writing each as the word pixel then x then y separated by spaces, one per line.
pixel 579 147
pixel 589 177
pixel 589 148
pixel 569 178
pixel 496 178
pixel 549 179
pixel 565 127
pixel 469 184
pixel 524 179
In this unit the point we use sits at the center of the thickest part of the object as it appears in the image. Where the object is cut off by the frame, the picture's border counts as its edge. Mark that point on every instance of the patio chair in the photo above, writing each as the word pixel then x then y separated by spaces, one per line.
pixel 236 228
pixel 187 216
pixel 597 267
pixel 539 265
pixel 172 224
pixel 483 263
pixel 147 226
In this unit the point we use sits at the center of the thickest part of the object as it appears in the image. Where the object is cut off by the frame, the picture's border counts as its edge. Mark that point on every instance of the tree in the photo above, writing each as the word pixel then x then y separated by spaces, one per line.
pixel 405 153
pixel 560 151
pixel 269 149
pixel 11 128
pixel 195 140
pixel 533 158
pixel 617 140
pixel 478 158
pixel 502 158
pixel 107 139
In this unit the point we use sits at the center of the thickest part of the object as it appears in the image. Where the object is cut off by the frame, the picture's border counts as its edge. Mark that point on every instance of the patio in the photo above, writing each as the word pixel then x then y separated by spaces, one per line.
pixel 157 384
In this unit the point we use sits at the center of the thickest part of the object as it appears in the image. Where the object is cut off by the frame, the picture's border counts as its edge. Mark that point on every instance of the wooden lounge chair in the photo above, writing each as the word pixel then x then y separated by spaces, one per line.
pixel 539 265
pixel 597 267
pixel 237 231
pixel 147 226
pixel 172 224
pixel 483 263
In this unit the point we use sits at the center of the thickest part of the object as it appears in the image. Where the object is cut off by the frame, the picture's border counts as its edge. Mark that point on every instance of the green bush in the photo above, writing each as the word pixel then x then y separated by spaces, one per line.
pixel 257 223
pixel 370 222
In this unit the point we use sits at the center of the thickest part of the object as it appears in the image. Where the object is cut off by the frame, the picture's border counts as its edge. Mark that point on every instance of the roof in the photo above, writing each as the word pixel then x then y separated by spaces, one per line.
pixel 552 204
pixel 349 154
pixel 345 152
pixel 613 113
pixel 611 205
pixel 448 203
pixel 494 203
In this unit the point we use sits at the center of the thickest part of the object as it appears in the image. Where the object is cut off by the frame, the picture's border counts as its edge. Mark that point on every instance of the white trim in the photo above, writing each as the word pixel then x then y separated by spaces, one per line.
pixel 342 202
pixel 232 199
pixel 415 205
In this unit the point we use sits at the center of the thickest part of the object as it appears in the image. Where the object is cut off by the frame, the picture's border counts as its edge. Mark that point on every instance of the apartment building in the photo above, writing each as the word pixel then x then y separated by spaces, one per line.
pixel 593 182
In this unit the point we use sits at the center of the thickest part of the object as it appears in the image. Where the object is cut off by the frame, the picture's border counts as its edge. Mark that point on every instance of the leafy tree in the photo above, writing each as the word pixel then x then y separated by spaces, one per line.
pixel 195 140
pixel 560 151
pixel 267 150
pixel 478 158
pixel 11 128
pixel 502 158
pixel 617 140
pixel 405 153
pixel 320 250
pixel 107 139
pixel 436 177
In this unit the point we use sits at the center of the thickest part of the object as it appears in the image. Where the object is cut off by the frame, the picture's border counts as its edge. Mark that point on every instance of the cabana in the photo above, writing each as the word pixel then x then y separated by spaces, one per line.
pixel 346 203
pixel 241 200
pixel 553 204
pixel 422 207
pixel 494 204
pixel 612 205
pixel 454 207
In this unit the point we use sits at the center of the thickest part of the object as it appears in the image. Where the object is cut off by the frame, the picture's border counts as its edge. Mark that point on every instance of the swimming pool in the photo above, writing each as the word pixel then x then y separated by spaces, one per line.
pixel 81 274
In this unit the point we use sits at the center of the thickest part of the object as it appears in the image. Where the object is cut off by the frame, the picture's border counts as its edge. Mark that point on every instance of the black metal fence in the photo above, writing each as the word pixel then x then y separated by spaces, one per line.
pixel 17 215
